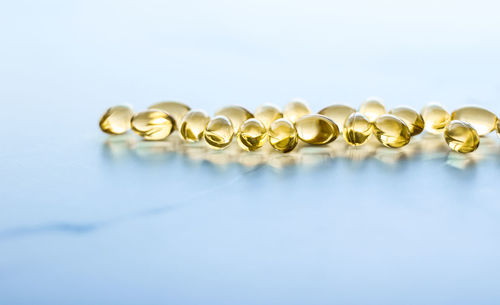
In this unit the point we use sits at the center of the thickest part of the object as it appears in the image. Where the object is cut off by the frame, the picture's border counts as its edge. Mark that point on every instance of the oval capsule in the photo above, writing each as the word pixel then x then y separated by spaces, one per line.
pixel 152 125
pixel 357 129
pixel 482 120
pixel 283 135
pixel 461 137
pixel 236 114
pixel 176 110
pixel 372 108
pixel 295 110
pixel 267 114
pixel 435 117
pixel 337 113
pixel 193 125
pixel 219 132
pixel 391 131
pixel 252 135
pixel 316 129
pixel 116 120
pixel 412 119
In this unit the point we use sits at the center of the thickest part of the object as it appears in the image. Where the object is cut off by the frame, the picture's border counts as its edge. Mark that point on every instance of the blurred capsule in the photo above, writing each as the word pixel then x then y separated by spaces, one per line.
pixel 294 110
pixel 252 135
pixel 267 114
pixel 435 117
pixel 176 110
pixel 461 137
pixel 193 125
pixel 236 114
pixel 391 131
pixel 219 132
pixel 116 120
pixel 152 125
pixel 357 129
pixel 482 120
pixel 316 129
pixel 412 119
pixel 283 135
pixel 337 113
pixel 372 108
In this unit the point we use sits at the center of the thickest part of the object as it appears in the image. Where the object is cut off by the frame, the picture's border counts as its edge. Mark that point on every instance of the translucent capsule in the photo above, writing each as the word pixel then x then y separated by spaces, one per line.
pixel 391 131
pixel 357 129
pixel 176 110
pixel 267 114
pixel 294 110
pixel 116 120
pixel 372 108
pixel 153 125
pixel 461 137
pixel 193 125
pixel 412 119
pixel 435 117
pixel 482 120
pixel 219 132
pixel 337 113
pixel 316 129
pixel 283 135
pixel 236 114
pixel 498 128
pixel 252 135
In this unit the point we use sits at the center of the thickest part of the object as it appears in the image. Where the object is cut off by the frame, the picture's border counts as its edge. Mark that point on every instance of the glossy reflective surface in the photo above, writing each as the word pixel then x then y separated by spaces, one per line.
pixel 116 120
pixel 357 129
pixel 267 114
pixel 236 114
pixel 461 137
pixel 411 117
pixel 283 135
pixel 337 113
pixel 295 110
pixel 391 131
pixel 435 117
pixel 316 129
pixel 152 125
pixel 219 132
pixel 372 108
pixel 481 119
pixel 252 135
pixel 176 110
pixel 193 125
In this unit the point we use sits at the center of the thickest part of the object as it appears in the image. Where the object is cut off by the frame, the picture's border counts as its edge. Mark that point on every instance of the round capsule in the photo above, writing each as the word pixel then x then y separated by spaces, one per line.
pixel 193 125
pixel 316 129
pixel 116 120
pixel 152 125
pixel 461 137
pixel 251 135
pixel 357 129
pixel 482 120
pixel 435 117
pixel 219 132
pixel 372 108
pixel 391 131
pixel 176 110
pixel 337 113
pixel 294 110
pixel 267 114
pixel 236 114
pixel 412 119
pixel 283 135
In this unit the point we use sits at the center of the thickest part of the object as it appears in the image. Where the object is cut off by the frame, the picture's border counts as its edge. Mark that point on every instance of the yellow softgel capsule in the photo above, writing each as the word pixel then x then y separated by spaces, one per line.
pixel 435 117
pixel 152 125
pixel 267 114
pixel 316 129
pixel 236 114
pixel 116 120
pixel 412 119
pixel 219 132
pixel 337 113
pixel 193 125
pixel 252 135
pixel 391 131
pixel 294 110
pixel 357 129
pixel 283 135
pixel 176 110
pixel 372 108
pixel 461 137
pixel 482 120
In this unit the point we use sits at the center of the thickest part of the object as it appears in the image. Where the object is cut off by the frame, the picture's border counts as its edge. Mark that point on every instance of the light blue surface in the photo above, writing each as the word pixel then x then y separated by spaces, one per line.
pixel 85 222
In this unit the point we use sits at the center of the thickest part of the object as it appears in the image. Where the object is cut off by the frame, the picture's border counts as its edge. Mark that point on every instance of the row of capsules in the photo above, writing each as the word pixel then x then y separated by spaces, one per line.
pixel 461 129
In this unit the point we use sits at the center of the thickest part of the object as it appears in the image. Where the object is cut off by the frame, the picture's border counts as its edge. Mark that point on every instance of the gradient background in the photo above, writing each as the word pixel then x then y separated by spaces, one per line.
pixel 80 225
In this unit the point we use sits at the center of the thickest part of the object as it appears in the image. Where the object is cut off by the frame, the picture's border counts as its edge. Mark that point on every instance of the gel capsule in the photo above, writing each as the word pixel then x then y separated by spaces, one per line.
pixel 357 129
pixel 461 137
pixel 236 114
pixel 372 108
pixel 219 132
pixel 153 125
pixel 116 120
pixel 391 131
pixel 482 120
pixel 283 135
pixel 193 125
pixel 337 113
pixel 176 110
pixel 435 117
pixel 316 129
pixel 294 110
pixel 267 114
pixel 412 119
pixel 251 135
